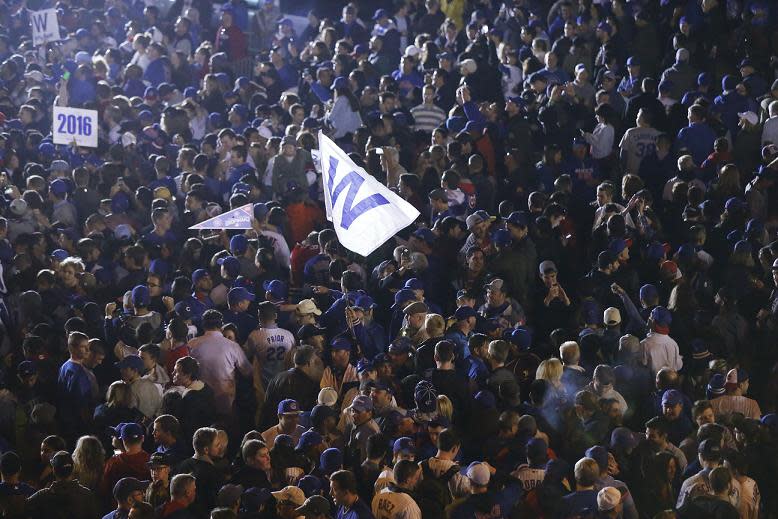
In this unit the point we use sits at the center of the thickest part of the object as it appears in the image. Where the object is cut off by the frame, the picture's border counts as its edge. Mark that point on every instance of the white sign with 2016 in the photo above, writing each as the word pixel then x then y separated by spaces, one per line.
pixel 75 126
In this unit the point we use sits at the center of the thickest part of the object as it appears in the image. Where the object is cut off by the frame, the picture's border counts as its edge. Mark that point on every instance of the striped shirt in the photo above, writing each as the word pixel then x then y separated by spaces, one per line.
pixel 728 404
pixel 427 117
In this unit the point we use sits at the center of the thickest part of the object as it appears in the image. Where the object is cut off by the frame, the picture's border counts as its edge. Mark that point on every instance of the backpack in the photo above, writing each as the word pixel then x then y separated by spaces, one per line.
pixel 439 484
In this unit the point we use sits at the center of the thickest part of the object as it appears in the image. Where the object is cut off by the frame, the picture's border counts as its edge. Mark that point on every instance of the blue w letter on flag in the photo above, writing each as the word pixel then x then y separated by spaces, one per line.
pixel 353 181
pixel 40 20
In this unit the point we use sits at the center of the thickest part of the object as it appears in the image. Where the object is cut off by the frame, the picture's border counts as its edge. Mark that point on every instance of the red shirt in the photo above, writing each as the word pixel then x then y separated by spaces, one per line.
pixel 173 355
pixel 124 466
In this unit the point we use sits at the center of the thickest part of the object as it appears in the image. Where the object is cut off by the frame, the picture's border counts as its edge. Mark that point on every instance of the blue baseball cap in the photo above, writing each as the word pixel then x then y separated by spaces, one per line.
pixel 341 344
pixel 400 345
pixel 239 244
pixel 364 302
pixel 661 316
pixel 340 82
pixel 518 218
pixel 502 238
pixel 238 294
pixel 308 439
pixel 128 431
pixel 199 274
pixel 288 406
pixel 331 460
pixel 522 338
pixel 401 297
pixel 425 235
pixel 231 264
pixel 404 445
pixel 671 398
pixel 141 296
pixel 380 13
pixel 183 310
pixel 465 312
pixel 277 288
pixel 60 255
pixel 414 284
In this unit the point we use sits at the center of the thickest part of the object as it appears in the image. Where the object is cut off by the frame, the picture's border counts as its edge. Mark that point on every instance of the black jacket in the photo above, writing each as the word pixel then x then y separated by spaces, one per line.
pixel 63 499
pixel 294 384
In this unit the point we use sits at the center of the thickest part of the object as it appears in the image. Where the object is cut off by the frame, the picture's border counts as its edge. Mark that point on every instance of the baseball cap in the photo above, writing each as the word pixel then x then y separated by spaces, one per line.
pixel 128 431
pixel 131 362
pixel 716 384
pixel 671 398
pixel 648 292
pixel 308 306
pixel 141 296
pixel 158 459
pixel 599 454
pixel 238 244
pixel 400 345
pixel 518 218
pixel 414 284
pixel 404 445
pixel 364 303
pixel 709 448
pixel 478 473
pixel 736 376
pixel 62 461
pixel 341 344
pixel 416 308
pixel 126 486
pixel 425 234
pixel 288 406
pixel 314 506
pixel 277 288
pixel 608 498
pixel 465 312
pixel 438 194
pixel 361 403
pixel 331 460
pixel 327 396
pixel 231 264
pixel 611 316
pixel 661 316
pixel 547 267
pixel 238 294
pixel 60 254
pixel 290 496
pixel 308 439
pixel 502 238
pixel 183 310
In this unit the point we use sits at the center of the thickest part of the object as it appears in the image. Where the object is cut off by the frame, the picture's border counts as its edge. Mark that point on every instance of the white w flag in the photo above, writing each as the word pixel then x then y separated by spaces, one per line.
pixel 364 212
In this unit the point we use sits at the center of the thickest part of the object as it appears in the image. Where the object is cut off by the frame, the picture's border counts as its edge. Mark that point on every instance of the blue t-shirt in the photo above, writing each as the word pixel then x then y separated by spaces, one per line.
pixel 578 502
pixel 359 510
pixel 74 382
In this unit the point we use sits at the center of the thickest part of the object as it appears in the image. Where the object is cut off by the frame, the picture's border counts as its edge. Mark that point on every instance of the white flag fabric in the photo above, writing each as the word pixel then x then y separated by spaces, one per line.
pixel 239 218
pixel 364 212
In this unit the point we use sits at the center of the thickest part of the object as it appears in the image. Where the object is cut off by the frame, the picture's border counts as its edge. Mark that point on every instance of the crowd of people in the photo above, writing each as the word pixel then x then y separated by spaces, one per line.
pixel 581 323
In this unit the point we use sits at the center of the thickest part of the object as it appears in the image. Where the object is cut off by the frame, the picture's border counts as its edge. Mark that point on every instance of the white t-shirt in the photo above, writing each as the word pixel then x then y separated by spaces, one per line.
pixel 270 346
pixel 395 505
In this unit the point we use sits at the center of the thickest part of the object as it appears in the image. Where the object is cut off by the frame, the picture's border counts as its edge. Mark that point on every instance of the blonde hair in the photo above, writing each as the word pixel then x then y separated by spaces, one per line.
pixel 434 325
pixel 118 394
pixel 445 407
pixel 550 370
pixel 569 352
pixel 88 461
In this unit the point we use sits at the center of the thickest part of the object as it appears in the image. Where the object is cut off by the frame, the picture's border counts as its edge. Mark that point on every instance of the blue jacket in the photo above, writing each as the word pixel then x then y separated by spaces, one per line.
pixel 698 139
pixel 155 72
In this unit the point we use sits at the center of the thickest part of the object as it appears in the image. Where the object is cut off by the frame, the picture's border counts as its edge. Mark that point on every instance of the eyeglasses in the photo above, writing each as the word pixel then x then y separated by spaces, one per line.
pixel 153 285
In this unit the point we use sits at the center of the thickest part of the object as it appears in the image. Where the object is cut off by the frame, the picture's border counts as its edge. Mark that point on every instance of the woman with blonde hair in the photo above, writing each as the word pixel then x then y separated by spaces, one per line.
pixel 88 462
pixel 551 371
pixel 445 407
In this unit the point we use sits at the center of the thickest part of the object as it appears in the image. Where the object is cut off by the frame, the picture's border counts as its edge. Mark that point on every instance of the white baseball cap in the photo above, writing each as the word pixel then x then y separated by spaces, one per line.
pixel 608 498
pixel 478 473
